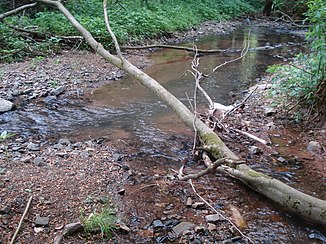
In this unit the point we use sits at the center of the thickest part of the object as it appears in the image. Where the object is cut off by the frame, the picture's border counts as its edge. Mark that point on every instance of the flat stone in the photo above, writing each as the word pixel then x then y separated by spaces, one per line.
pixel 64 141
pixel 212 218
pixel 72 228
pixel 26 159
pixel 269 111
pixel 157 224
pixel 57 91
pixel 282 160
pixel 39 161
pixel 5 210
pixel 314 146
pixel 5 105
pixel 182 227
pixel 189 202
pixel 198 205
pixel 50 99
pixel 211 227
pixel 41 221
pixel 253 150
pixel 33 146
pixel 124 228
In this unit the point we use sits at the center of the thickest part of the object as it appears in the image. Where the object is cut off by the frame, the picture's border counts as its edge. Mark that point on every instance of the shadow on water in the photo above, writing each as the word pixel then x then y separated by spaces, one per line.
pixel 127 110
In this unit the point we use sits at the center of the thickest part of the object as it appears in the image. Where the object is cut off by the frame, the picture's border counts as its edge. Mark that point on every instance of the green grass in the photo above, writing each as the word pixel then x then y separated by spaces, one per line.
pixel 103 221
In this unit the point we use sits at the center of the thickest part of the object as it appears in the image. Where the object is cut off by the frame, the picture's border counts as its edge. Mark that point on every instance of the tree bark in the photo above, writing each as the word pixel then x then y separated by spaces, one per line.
pixel 268 7
pixel 297 202
pixel 313 208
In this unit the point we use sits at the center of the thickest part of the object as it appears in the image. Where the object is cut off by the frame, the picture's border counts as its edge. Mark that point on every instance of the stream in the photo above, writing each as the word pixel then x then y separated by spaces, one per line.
pixel 126 111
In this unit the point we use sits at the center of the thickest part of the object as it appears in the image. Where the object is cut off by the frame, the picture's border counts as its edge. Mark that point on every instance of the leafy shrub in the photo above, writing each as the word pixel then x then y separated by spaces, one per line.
pixel 303 81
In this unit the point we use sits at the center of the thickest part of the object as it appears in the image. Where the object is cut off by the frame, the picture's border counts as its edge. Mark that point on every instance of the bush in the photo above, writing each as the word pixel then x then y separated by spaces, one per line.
pixel 302 82
pixel 103 221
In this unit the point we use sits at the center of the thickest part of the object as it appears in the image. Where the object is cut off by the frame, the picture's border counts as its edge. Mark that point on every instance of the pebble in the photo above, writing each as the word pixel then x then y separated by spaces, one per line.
pixel 213 218
pixel 5 210
pixel 211 227
pixel 64 141
pixel 157 224
pixel 72 228
pixel 41 221
pixel 5 105
pixel 189 202
pixel 33 146
pixel 39 161
pixel 198 205
pixel 314 146
pixel 269 111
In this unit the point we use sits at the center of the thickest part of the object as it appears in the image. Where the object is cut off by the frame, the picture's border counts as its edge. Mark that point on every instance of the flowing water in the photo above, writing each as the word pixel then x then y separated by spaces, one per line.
pixel 125 109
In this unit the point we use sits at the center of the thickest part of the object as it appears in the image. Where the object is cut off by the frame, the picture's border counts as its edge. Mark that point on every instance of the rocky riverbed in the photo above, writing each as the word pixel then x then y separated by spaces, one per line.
pixel 71 178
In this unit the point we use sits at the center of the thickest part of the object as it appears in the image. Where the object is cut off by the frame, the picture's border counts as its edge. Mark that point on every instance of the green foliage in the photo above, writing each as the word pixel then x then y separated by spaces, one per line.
pixel 104 221
pixel 130 20
pixel 291 7
pixel 303 81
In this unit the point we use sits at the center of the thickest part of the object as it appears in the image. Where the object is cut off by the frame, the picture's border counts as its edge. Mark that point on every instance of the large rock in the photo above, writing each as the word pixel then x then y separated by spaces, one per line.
pixel 5 105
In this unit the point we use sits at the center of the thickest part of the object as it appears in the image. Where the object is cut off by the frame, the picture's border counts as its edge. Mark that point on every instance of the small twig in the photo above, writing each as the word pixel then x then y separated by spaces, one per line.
pixel 217 212
pixel 21 220
pixel 209 169
pixel 250 136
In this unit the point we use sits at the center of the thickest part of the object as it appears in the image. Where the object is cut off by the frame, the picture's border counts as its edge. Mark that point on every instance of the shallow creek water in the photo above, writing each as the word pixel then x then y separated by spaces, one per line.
pixel 125 111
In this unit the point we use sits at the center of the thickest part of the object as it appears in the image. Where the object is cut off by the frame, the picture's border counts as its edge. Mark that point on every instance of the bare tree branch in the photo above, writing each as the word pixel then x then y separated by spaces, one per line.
pixel 107 22
pixel 16 10
pixel 209 169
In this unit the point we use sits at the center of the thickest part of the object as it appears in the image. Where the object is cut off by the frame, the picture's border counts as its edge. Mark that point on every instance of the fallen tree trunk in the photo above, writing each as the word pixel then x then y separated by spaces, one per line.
pixel 297 202
pixel 211 141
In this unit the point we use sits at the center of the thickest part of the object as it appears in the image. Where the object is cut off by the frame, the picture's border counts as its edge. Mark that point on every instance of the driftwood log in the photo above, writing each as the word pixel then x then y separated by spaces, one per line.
pixel 302 204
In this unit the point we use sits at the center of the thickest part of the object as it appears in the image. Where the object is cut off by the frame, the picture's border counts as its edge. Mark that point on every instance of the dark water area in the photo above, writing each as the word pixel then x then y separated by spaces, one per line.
pixel 126 111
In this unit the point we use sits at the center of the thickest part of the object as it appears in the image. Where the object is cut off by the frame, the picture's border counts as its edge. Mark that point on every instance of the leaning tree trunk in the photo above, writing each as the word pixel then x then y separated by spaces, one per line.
pixel 302 204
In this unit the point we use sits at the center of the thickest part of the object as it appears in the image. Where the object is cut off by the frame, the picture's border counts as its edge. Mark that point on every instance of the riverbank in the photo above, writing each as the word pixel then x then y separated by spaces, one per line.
pixel 89 174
